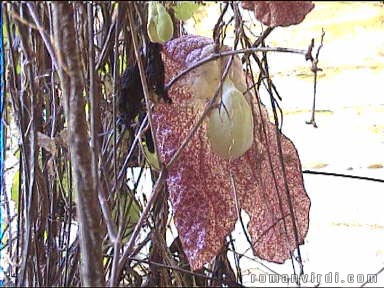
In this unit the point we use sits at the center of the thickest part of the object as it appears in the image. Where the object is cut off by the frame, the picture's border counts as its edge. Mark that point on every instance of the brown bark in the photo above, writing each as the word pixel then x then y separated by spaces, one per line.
pixel 88 209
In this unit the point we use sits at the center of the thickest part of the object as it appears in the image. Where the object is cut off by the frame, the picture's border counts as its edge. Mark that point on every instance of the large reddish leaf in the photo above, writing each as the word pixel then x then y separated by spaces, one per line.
pixel 201 191
pixel 279 13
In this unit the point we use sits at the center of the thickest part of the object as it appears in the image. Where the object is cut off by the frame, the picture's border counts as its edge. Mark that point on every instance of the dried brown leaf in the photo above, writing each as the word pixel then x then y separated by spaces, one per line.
pixel 199 182
pixel 279 13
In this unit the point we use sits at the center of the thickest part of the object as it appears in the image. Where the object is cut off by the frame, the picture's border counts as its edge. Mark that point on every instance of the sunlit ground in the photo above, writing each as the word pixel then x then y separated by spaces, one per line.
pixel 346 233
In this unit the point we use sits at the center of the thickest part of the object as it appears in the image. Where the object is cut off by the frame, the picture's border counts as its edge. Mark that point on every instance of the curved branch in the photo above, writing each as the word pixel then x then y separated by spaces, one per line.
pixel 215 56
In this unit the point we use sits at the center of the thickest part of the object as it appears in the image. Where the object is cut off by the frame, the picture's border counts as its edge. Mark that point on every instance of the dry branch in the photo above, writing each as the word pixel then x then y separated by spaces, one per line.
pixel 92 273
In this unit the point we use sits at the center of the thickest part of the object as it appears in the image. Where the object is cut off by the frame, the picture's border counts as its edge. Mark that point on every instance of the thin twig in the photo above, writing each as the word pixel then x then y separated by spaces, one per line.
pixel 314 70
pixel 107 42
pixel 47 42
pixel 111 227
pixel 343 175
pixel 370 278
pixel 283 171
pixel 178 269
pixel 140 223
pixel 215 56
pixel 130 153
pixel 30 154
pixel 117 240
pixel 258 41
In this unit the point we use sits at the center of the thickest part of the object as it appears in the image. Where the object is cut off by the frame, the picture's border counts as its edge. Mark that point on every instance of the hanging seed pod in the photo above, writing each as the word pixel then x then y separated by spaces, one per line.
pixel 159 24
pixel 151 23
pixel 230 126
pixel 164 25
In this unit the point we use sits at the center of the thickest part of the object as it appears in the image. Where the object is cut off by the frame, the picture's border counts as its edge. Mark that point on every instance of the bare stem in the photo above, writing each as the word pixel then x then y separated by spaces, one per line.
pixel 47 42
pixel 215 56
pixel 315 69
pixel 111 227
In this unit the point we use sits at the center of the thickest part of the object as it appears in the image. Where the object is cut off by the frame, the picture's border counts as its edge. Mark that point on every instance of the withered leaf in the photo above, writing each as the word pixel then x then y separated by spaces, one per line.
pixel 202 192
pixel 279 13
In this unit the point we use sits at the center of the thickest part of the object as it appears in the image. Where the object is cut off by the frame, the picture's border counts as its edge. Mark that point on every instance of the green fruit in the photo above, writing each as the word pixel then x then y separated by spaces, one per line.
pixel 230 127
pixel 159 24
pixel 151 23
pixel 152 32
pixel 164 25
pixel 185 9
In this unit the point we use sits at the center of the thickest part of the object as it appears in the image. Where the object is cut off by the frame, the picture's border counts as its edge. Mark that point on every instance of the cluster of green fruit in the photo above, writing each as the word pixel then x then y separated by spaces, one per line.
pixel 160 25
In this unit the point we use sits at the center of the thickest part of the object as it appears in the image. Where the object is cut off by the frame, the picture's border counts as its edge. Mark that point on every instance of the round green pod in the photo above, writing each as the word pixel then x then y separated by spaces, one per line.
pixel 230 126
pixel 164 25
pixel 151 23
pixel 185 9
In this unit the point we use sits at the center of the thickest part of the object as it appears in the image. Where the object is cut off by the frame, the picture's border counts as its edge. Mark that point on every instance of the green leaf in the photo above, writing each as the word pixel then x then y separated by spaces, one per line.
pixel 15 188
pixel 185 9
pixel 66 185
pixel 130 210
pixel 151 158
pixel 18 69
